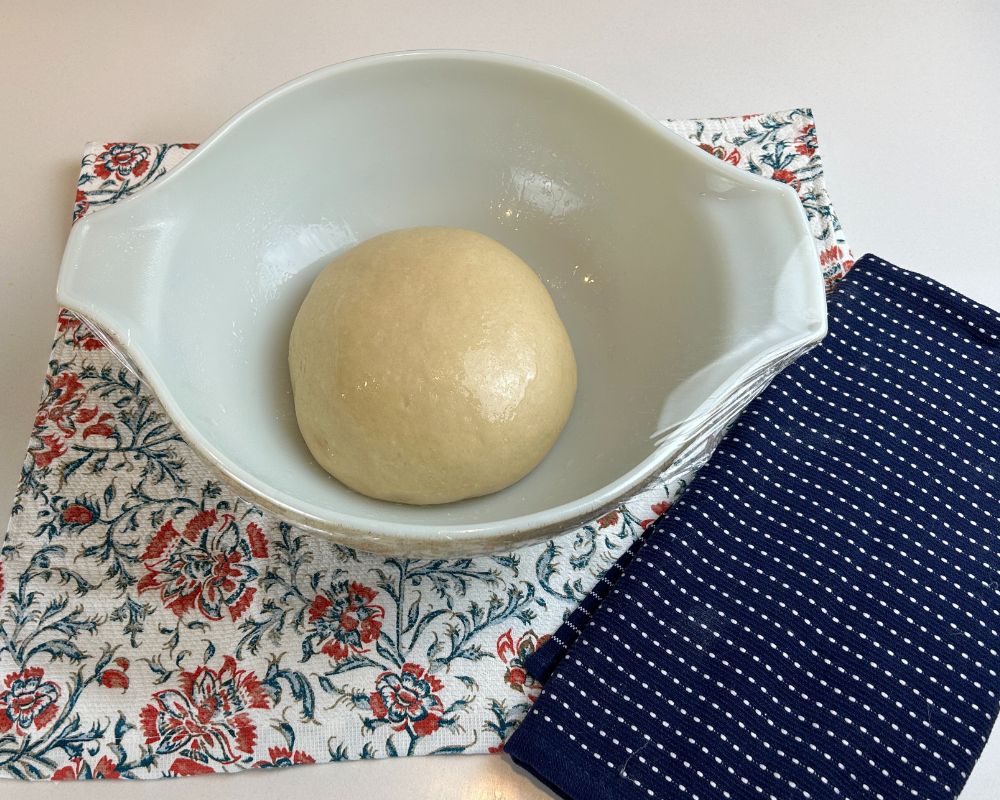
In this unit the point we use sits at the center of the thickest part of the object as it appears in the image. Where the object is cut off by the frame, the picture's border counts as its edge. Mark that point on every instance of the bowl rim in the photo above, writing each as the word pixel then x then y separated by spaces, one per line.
pixel 375 534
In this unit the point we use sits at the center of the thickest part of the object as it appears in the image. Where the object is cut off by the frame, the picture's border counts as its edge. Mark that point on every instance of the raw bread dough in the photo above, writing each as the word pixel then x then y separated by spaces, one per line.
pixel 430 365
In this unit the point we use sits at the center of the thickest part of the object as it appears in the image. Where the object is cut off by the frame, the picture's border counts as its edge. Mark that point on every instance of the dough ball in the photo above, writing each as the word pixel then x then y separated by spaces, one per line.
pixel 429 365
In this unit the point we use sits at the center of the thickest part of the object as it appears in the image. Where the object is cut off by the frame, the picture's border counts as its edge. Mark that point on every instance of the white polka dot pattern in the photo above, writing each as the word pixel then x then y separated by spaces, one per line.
pixel 819 616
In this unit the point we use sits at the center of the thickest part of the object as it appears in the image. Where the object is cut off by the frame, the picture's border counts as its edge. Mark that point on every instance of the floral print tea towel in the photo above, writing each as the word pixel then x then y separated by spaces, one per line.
pixel 154 624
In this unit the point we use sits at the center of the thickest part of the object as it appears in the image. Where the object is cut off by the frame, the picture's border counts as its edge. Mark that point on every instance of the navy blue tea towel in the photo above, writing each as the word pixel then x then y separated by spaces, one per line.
pixel 819 616
pixel 543 661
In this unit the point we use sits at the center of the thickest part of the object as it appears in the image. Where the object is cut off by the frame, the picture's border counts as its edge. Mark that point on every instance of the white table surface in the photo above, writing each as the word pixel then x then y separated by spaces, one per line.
pixel 907 103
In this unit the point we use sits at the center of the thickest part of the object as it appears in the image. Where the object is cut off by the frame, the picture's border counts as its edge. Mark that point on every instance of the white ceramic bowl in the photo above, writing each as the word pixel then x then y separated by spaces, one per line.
pixel 676 275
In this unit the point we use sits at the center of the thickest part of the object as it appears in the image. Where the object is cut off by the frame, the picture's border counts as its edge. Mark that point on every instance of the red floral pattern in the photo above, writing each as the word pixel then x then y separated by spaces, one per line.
pixel 115 678
pixel 78 769
pixel 834 255
pixel 163 626
pixel 658 509
pixel 344 619
pixel 408 699
pixel 805 144
pixel 731 156
pixel 27 701
pixel 787 176
pixel 121 160
pixel 63 414
pixel 77 514
pixel 80 205
pixel 207 718
pixel 207 565
pixel 283 757
pixel 76 333
pixel 608 519
pixel 514 654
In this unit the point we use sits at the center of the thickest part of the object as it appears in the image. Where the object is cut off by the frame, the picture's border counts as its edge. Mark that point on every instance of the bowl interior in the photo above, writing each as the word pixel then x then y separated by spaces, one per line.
pixel 669 270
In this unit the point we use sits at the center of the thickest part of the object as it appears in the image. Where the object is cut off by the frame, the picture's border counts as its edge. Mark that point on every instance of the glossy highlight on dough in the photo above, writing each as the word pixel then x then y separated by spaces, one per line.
pixel 430 365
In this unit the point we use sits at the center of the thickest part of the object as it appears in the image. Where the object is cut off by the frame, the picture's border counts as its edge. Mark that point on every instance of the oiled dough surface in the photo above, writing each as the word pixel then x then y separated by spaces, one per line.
pixel 430 365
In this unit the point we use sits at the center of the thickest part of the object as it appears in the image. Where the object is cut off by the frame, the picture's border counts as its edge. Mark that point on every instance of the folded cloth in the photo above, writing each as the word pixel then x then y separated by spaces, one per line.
pixel 819 615
pixel 152 623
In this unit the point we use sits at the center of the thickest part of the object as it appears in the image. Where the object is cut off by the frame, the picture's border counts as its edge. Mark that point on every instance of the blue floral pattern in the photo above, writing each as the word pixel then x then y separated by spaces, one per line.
pixel 152 623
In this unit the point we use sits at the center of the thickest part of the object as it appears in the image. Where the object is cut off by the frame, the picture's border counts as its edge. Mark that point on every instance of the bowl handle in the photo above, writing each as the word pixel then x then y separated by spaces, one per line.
pixel 110 271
